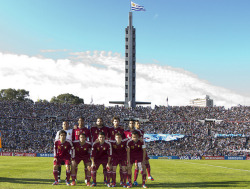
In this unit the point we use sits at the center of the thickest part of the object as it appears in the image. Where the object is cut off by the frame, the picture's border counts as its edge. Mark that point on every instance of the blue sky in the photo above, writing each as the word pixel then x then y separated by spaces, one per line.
pixel 210 38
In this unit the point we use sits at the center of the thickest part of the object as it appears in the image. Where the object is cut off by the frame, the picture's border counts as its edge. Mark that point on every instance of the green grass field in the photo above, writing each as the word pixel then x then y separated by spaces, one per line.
pixel 30 172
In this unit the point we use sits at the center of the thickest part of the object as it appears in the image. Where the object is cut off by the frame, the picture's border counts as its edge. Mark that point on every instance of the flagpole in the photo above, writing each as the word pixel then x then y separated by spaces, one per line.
pixel 130 4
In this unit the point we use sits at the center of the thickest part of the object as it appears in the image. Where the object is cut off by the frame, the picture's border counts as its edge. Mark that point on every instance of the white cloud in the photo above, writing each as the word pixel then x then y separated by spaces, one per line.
pixel 101 75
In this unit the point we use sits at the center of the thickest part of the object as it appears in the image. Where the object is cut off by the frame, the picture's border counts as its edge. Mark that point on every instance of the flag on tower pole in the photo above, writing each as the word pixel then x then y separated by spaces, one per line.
pixel 136 7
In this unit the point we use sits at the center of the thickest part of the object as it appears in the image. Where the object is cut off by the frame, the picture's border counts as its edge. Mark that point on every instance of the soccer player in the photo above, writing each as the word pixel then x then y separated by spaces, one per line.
pixel 101 154
pixel 82 150
pixel 99 128
pixel 136 152
pixel 128 133
pixel 137 128
pixel 81 129
pixel 112 133
pixel 119 156
pixel 75 136
pixel 65 126
pixel 116 129
pixel 62 152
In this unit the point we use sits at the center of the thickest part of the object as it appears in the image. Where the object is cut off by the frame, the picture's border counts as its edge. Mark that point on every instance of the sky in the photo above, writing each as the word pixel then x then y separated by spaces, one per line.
pixel 185 49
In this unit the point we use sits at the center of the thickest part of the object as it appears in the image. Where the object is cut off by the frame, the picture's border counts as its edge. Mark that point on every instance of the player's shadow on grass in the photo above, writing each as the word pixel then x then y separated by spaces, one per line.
pixel 26 180
pixel 201 184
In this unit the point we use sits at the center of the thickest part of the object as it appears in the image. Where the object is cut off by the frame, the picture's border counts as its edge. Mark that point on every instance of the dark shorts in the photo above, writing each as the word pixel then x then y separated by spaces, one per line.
pixel 100 162
pixel 116 161
pixel 134 159
pixel 62 161
pixel 85 160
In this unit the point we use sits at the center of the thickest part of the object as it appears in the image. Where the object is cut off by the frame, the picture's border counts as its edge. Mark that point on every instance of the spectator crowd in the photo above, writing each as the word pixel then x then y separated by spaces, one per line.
pixel 31 127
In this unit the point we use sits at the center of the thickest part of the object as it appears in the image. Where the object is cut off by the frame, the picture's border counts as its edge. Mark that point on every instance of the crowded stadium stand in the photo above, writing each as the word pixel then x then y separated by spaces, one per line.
pixel 31 127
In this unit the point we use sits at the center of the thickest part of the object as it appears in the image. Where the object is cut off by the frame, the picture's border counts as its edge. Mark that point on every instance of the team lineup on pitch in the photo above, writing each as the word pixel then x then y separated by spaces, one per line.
pixel 104 146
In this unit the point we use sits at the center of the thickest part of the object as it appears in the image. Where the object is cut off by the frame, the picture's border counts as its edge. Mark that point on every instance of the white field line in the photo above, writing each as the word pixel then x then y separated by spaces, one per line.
pixel 219 166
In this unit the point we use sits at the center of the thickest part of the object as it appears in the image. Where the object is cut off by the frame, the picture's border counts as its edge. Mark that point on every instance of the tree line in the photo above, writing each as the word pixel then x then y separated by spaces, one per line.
pixel 23 96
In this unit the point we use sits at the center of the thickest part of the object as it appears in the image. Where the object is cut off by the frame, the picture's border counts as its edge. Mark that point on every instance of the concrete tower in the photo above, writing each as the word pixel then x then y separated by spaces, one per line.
pixel 130 67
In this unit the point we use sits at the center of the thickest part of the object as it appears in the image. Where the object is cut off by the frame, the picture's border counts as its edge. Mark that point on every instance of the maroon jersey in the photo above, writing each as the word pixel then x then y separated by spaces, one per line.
pixel 128 133
pixel 95 132
pixel 63 150
pixel 82 151
pixel 119 151
pixel 113 131
pixel 76 133
pixel 140 132
pixel 136 149
pixel 100 152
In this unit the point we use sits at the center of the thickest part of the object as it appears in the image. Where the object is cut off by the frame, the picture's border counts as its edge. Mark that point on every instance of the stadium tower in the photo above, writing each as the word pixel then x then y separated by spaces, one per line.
pixel 130 68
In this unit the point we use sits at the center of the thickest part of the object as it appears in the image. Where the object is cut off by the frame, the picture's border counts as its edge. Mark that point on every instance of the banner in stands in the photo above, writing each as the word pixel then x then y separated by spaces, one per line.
pixel 248 158
pixel 7 154
pixel 235 158
pixel 162 137
pixel 213 158
pixel 227 135
pixel 25 154
pixel 190 157
pixel 44 155
pixel 17 154
pixel 164 157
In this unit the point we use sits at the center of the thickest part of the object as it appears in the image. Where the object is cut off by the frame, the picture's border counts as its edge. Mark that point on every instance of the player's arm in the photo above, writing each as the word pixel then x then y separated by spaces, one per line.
pixel 125 140
pixel 108 164
pixel 128 156
pixel 70 131
pixel 73 154
pixel 55 152
pixel 93 162
pixel 141 135
pixel 73 135
pixel 110 154
pixel 93 156
pixel 57 136
pixel 144 153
